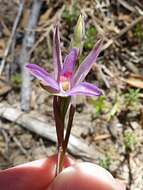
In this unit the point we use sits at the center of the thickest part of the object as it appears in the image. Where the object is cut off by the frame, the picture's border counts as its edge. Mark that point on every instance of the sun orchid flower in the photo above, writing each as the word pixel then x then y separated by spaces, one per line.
pixel 67 81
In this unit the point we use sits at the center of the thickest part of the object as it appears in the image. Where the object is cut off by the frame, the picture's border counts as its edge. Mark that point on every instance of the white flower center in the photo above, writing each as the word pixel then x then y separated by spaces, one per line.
pixel 64 83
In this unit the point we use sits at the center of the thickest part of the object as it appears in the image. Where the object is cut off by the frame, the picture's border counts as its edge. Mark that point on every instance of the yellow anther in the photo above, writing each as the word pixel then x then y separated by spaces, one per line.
pixel 65 85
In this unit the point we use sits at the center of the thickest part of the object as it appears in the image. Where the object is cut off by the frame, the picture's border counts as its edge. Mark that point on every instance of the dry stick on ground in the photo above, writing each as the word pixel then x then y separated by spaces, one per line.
pixel 6 139
pixel 22 149
pixel 20 11
pixel 30 122
pixel 24 58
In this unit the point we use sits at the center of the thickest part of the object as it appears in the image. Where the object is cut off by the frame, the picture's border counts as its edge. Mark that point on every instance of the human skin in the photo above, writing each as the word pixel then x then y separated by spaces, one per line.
pixel 85 176
pixel 36 175
pixel 40 175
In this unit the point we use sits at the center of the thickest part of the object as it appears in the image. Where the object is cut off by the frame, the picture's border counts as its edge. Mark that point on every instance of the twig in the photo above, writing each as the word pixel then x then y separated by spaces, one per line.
pixel 122 32
pixel 126 5
pixel 128 157
pixel 126 29
pixel 102 137
pixel 6 138
pixel 99 68
pixel 40 39
pixel 18 143
pixel 24 58
pixel 47 27
pixel 20 11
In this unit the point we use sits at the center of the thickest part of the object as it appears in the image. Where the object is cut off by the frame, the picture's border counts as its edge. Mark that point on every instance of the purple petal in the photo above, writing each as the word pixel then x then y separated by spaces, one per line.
pixel 85 88
pixel 57 60
pixel 43 76
pixel 87 64
pixel 69 63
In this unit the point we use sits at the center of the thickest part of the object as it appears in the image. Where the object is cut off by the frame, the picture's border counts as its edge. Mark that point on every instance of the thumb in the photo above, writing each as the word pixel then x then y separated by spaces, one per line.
pixel 85 176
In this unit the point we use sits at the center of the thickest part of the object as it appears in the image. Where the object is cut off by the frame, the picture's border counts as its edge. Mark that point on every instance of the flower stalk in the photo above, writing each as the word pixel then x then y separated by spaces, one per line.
pixel 59 122
pixel 60 107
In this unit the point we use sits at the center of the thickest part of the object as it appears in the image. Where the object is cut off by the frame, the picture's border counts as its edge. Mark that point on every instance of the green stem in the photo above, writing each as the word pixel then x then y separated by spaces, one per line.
pixel 58 167
pixel 69 126
pixel 64 104
pixel 63 150
pixel 60 106
pixel 58 120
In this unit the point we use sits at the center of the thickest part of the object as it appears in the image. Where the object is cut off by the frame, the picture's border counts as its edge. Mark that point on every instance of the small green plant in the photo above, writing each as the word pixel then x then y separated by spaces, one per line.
pixel 113 111
pixel 138 31
pixel 130 140
pixel 99 105
pixel 106 161
pixel 90 38
pixel 132 97
pixel 16 79
pixel 70 16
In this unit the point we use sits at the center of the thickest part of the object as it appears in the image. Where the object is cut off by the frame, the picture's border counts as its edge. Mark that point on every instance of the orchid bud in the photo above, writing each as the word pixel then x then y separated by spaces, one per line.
pixel 79 33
